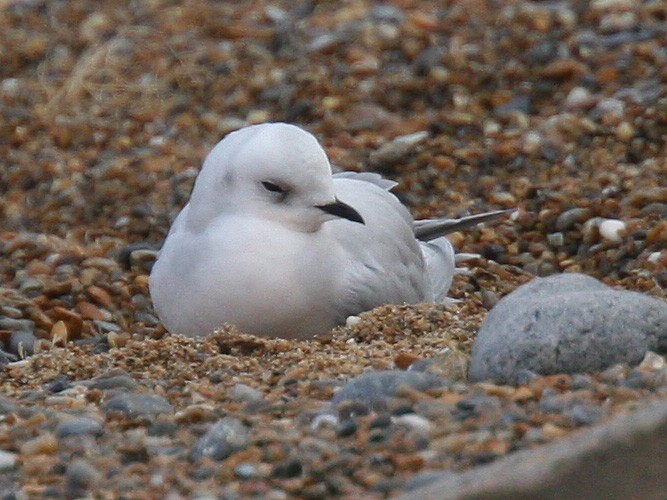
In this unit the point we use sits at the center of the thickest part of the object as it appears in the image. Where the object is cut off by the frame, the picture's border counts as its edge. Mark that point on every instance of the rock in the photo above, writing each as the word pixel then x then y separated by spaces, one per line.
pixel 567 323
pixel 138 405
pixel 244 393
pixel 612 230
pixel 225 437
pixel 450 364
pixel 78 426
pixel 397 149
pixel 81 476
pixel 374 386
pixel 7 460
pixel 59 384
pixel 117 381
pixel 626 458
pixel 569 218
pixel 6 406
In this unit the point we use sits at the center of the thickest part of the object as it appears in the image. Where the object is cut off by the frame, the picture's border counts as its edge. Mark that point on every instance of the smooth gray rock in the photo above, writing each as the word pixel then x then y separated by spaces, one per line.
pixel 80 477
pixel 79 426
pixel 225 437
pixel 134 405
pixel 373 386
pixel 6 406
pixel 566 323
pixel 625 458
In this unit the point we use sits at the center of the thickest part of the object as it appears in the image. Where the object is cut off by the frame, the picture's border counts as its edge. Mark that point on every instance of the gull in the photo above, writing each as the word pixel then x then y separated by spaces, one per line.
pixel 272 242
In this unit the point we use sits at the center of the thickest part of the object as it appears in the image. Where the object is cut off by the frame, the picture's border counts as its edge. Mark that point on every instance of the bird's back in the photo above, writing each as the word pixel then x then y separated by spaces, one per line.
pixel 385 264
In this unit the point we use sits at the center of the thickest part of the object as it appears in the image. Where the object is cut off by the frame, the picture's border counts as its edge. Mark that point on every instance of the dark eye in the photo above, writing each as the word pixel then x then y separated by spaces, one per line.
pixel 274 188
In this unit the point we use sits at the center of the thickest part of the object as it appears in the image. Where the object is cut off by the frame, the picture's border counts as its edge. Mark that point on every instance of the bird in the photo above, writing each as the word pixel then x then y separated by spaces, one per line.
pixel 276 244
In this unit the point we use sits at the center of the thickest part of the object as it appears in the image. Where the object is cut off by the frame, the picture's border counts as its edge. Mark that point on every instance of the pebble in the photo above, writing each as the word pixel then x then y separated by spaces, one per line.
pixel 450 364
pixel 104 127
pixel 6 406
pixel 81 476
pixel 245 393
pixel 106 382
pixel 8 460
pixel 551 325
pixel 569 218
pixel 612 230
pixel 375 386
pixel 397 149
pixel 78 426
pixel 226 436
pixel 415 423
pixel 136 405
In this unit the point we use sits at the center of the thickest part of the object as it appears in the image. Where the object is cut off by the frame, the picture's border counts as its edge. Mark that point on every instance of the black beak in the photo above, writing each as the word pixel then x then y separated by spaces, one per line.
pixel 342 210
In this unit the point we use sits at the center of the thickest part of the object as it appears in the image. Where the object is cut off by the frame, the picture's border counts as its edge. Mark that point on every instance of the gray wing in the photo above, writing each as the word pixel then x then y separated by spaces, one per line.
pixel 384 262
pixel 371 177
pixel 429 229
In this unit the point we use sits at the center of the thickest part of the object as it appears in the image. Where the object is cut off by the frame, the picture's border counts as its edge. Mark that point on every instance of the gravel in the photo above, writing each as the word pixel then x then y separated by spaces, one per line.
pixel 107 112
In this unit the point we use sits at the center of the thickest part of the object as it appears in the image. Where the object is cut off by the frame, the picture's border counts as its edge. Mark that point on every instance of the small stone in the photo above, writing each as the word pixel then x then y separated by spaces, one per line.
pixel 245 393
pixel 287 469
pixel 81 476
pixel 612 230
pixel 394 151
pixel 624 132
pixel 346 428
pixel 450 364
pixel 246 471
pixel 225 437
pixel 78 426
pixel 556 239
pixel 352 321
pixel 569 218
pixel 7 460
pixel 45 444
pixel 374 386
pixel 59 384
pixel 577 97
pixel 653 362
pixel 113 381
pixel 133 405
pixel 415 423
pixel 6 406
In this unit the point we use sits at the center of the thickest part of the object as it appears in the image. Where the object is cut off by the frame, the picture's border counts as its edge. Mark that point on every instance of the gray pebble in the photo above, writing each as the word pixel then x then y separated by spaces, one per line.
pixel 585 413
pixel 476 407
pixel 424 478
pixel 225 437
pixel 244 393
pixel 138 405
pixel 6 406
pixel 22 343
pixel 16 325
pixel 81 476
pixel 7 460
pixel 246 471
pixel 107 326
pixel 78 426
pixel 569 218
pixel 374 386
pixel 567 323
pixel 113 382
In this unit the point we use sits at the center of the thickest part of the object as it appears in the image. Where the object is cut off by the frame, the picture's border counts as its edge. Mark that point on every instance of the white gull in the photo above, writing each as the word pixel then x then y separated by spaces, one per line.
pixel 274 243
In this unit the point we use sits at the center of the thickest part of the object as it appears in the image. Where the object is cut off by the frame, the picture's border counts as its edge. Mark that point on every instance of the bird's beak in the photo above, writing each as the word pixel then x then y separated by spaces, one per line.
pixel 342 210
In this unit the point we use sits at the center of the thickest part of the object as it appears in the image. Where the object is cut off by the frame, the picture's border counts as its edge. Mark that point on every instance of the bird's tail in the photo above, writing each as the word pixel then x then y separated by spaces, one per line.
pixel 438 251
pixel 440 266
pixel 429 229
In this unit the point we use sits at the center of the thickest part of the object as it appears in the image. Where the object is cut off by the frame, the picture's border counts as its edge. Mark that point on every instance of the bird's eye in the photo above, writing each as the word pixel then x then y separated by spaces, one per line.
pixel 274 188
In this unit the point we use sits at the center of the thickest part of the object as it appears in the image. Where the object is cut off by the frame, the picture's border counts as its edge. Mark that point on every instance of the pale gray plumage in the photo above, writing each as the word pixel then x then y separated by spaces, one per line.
pixel 269 242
